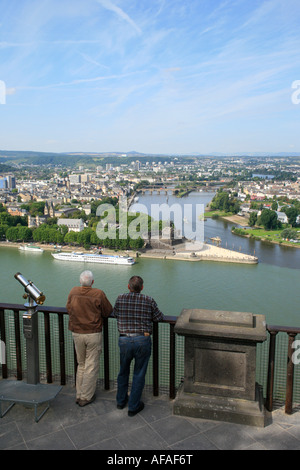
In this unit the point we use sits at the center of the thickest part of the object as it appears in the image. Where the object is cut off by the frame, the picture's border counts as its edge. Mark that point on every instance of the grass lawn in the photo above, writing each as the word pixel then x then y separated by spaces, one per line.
pixel 218 214
pixel 274 235
pixel 267 235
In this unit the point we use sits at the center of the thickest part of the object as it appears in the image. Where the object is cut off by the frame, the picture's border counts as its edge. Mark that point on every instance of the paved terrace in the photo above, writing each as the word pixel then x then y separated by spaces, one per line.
pixel 101 426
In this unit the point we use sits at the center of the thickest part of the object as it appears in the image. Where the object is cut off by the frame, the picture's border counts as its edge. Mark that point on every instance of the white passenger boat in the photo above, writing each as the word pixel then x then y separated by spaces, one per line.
pixel 94 258
pixel 34 248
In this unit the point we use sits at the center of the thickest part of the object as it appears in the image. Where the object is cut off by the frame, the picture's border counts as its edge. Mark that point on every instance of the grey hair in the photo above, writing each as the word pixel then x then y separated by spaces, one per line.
pixel 86 278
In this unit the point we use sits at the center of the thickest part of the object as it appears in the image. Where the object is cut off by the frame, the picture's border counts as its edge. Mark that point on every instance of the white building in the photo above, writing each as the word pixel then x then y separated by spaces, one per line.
pixel 75 225
pixel 282 217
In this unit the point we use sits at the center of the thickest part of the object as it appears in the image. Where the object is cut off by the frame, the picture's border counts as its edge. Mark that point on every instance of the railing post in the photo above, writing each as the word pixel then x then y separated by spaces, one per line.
pixel 106 353
pixel 172 392
pixel 271 369
pixel 3 338
pixel 62 350
pixel 48 347
pixel 155 359
pixel 290 376
pixel 18 344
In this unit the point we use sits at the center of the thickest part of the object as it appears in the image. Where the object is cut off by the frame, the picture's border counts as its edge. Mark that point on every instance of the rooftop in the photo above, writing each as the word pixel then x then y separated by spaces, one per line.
pixel 101 426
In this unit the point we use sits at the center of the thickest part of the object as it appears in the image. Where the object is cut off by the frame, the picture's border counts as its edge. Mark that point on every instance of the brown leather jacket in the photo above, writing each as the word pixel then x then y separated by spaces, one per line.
pixel 86 307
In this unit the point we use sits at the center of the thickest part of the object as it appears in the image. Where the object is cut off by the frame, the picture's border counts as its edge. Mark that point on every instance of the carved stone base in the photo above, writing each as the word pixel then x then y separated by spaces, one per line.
pixel 219 408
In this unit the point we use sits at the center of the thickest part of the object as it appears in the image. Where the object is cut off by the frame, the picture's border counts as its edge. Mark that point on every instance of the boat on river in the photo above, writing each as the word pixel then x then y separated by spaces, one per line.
pixel 33 248
pixel 94 258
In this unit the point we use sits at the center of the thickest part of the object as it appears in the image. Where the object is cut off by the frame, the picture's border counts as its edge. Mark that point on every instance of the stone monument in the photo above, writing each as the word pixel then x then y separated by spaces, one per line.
pixel 220 366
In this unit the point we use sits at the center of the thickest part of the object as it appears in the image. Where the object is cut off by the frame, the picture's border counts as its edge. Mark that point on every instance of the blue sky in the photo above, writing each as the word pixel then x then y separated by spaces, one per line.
pixel 155 76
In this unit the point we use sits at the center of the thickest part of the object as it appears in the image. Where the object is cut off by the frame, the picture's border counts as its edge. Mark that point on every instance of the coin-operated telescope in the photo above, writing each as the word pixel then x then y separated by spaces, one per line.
pixel 30 326
pixel 32 293
pixel 31 393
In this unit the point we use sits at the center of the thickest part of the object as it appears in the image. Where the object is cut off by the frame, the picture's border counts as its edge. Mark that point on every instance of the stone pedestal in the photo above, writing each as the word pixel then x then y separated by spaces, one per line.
pixel 220 366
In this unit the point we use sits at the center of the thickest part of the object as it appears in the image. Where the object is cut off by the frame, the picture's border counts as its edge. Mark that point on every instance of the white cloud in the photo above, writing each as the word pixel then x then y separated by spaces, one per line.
pixel 108 5
pixel 10 91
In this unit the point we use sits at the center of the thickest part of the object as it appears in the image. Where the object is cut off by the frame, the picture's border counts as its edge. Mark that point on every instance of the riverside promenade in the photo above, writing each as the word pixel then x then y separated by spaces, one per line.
pixel 101 426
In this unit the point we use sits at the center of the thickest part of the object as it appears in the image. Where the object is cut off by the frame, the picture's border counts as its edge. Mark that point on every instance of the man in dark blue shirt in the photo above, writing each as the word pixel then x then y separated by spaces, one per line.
pixel 135 313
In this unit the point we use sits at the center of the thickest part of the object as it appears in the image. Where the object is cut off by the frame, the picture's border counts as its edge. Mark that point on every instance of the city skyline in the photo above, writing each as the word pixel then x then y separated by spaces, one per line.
pixel 160 77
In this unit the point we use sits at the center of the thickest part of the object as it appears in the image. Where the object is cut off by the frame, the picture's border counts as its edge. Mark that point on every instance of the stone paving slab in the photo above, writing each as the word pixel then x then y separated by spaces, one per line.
pixel 101 426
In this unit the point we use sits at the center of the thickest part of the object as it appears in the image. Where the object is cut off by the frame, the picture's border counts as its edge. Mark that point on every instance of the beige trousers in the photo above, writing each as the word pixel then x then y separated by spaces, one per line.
pixel 88 349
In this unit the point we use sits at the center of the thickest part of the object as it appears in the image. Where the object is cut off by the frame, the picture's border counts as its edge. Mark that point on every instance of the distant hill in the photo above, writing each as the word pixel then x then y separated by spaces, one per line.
pixel 76 159
pixel 92 159
pixel 4 168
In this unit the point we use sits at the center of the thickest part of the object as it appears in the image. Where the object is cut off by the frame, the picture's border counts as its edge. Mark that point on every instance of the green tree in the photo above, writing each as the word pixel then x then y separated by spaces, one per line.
pixel 6 219
pixel 12 234
pixel 292 214
pixel 223 202
pixel 71 237
pixel 24 233
pixel 220 201
pixel 289 234
pixel 268 219
pixel 2 231
pixel 136 244
pixel 252 218
pixel 37 208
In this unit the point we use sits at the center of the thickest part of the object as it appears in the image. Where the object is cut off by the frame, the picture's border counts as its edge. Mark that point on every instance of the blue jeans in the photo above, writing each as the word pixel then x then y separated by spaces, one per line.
pixel 139 349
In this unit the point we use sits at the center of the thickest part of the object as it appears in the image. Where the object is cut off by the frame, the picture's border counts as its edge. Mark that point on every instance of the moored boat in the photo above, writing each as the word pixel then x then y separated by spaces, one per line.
pixel 34 248
pixel 94 258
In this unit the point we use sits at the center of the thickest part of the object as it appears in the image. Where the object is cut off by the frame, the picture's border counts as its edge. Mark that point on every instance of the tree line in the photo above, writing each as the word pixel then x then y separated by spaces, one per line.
pixel 15 229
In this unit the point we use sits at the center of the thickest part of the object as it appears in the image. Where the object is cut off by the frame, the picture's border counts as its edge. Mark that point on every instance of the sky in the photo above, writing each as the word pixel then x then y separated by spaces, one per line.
pixel 153 76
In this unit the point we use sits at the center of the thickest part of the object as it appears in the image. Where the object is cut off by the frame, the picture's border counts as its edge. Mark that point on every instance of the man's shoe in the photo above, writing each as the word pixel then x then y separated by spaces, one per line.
pixel 120 407
pixel 86 402
pixel 134 412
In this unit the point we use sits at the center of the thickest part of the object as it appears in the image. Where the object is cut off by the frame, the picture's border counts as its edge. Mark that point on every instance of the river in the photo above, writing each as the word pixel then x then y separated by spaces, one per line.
pixel 271 287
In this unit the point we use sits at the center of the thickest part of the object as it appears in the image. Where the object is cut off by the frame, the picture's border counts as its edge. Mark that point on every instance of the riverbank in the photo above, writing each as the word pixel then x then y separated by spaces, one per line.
pixel 40 245
pixel 178 253
pixel 259 234
pixel 237 219
pixel 243 222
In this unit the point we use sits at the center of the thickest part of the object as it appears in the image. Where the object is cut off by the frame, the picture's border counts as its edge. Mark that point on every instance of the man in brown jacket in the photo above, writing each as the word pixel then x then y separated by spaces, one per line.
pixel 86 307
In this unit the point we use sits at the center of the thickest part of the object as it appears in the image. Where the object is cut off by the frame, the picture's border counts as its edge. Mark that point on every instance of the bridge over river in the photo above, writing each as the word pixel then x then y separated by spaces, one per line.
pixel 174 191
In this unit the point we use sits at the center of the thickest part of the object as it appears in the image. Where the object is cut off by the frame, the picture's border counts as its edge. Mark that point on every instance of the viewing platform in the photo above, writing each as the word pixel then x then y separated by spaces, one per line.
pixel 101 426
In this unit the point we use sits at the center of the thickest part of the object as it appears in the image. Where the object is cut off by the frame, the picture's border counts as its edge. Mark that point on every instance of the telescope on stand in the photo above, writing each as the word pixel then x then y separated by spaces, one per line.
pixel 31 393
pixel 34 297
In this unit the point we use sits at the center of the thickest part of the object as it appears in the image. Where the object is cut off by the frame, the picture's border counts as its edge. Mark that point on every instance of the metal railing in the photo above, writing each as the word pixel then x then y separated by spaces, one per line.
pixel 292 333
pixel 173 370
pixel 15 309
